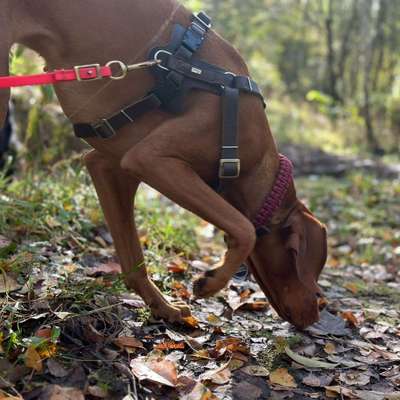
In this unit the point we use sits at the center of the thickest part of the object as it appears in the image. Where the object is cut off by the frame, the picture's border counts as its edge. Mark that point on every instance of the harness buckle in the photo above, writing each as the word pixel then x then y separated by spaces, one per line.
pixel 204 19
pixel 104 129
pixel 228 165
pixel 93 73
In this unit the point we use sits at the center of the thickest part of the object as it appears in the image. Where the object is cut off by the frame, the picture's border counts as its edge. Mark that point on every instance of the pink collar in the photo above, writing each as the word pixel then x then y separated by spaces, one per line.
pixel 274 199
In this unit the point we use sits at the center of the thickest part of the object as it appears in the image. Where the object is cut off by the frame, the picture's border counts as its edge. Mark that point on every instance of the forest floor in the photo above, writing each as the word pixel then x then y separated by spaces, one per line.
pixel 70 330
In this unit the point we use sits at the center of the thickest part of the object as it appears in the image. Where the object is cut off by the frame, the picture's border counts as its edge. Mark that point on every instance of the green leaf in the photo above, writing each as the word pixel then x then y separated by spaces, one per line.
pixel 309 362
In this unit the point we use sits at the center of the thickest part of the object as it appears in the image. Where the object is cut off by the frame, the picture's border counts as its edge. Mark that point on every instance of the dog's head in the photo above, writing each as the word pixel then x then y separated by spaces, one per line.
pixel 287 263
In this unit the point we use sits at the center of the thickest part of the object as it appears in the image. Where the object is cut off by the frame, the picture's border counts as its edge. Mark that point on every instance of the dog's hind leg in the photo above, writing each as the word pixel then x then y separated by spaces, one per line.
pixel 151 161
pixel 116 191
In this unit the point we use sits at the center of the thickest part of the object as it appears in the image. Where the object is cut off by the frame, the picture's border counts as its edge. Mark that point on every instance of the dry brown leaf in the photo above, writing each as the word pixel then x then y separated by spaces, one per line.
pixel 108 268
pixel 55 392
pixel 219 376
pixel 56 369
pixel 44 333
pixel 70 268
pixel 353 378
pixel 199 392
pixel 322 302
pixel 255 370
pixel 245 294
pixel 177 266
pixel 33 359
pixel 232 345
pixel 8 283
pixel 256 306
pixel 282 377
pixel 191 321
pixel 201 354
pixel 180 291
pixel 170 346
pixel 317 381
pixel 350 318
pixel 214 320
pixel 330 348
pixel 127 342
pixel 97 391
pixel 352 287
pixel 333 391
pixel 158 370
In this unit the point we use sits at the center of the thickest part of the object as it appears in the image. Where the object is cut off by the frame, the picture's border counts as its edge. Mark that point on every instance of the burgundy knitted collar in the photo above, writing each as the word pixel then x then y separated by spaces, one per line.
pixel 274 199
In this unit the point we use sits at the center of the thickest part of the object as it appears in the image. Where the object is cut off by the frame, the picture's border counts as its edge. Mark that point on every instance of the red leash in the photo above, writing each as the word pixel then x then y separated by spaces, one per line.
pixel 91 72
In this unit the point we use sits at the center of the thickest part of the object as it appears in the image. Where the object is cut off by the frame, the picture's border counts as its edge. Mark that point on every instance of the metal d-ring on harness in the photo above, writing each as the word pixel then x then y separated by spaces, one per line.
pixel 177 72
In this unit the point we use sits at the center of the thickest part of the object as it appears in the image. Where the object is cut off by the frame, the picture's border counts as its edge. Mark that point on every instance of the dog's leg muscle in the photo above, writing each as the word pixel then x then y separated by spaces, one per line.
pixel 116 191
pixel 178 181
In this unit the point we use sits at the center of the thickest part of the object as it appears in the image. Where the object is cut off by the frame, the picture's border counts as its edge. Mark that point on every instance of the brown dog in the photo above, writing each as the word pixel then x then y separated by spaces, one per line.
pixel 176 155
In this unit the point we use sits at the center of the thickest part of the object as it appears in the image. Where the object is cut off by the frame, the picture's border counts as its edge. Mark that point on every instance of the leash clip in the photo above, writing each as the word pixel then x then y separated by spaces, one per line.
pixel 123 70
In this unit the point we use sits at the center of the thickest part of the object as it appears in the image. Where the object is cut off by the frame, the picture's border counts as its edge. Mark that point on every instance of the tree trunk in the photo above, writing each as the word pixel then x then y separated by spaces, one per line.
pixel 332 76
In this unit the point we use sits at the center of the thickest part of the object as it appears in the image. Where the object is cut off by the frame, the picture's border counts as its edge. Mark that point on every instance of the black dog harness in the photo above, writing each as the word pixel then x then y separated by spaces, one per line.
pixel 177 73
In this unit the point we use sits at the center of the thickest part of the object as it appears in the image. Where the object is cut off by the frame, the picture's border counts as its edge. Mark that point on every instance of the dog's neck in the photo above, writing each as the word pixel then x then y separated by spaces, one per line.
pixel 59 32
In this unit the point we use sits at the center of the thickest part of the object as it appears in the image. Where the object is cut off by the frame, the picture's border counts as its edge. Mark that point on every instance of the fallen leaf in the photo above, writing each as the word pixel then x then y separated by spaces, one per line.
pixel 191 321
pixel 56 369
pixel 317 381
pixel 352 287
pixel 201 354
pixel 353 378
pixel 70 268
pixel 55 392
pixel 350 318
pixel 160 371
pixel 309 362
pixel 255 370
pixel 33 360
pixel 282 377
pixel 177 266
pixel 170 346
pixel 44 333
pixel 329 324
pixel 333 391
pixel 219 376
pixel 213 320
pixel 63 314
pixel 8 283
pixel 128 343
pixel 108 268
pixel 330 348
pixel 256 306
pixel 231 344
pixel 198 392
pixel 97 391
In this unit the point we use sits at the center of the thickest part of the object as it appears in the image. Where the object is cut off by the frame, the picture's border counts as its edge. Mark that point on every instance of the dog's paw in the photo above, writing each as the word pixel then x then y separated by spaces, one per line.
pixel 208 285
pixel 172 313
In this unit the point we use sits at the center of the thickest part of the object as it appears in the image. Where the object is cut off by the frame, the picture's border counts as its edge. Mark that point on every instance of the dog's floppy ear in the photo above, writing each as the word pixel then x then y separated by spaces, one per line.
pixel 306 240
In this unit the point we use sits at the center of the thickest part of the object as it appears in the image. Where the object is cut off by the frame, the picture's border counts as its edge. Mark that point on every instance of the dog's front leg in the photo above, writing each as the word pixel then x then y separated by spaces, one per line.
pixel 116 191
pixel 151 160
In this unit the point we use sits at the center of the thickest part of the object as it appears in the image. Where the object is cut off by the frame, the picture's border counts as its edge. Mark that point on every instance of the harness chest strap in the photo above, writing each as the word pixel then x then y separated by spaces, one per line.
pixel 176 74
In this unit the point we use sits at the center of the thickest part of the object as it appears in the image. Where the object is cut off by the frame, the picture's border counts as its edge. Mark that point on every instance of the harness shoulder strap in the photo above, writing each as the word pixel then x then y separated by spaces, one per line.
pixel 229 165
